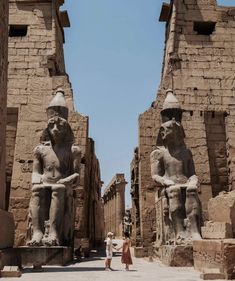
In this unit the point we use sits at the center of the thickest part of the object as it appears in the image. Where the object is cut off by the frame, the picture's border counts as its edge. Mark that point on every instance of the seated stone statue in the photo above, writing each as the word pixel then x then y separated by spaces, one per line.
pixel 172 168
pixel 55 173
pixel 127 222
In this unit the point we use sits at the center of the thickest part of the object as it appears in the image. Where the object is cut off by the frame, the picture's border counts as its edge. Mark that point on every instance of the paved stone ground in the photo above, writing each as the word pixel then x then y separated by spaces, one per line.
pixel 93 269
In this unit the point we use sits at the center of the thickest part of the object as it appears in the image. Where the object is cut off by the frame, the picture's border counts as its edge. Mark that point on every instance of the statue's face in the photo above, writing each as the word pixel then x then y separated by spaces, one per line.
pixel 57 128
pixel 171 131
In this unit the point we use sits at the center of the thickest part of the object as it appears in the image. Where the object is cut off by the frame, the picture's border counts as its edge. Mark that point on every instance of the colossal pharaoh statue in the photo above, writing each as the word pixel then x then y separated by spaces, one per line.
pixel 172 168
pixel 55 173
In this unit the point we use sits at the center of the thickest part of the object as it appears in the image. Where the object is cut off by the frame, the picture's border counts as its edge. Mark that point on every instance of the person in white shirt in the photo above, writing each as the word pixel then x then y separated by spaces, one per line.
pixel 109 251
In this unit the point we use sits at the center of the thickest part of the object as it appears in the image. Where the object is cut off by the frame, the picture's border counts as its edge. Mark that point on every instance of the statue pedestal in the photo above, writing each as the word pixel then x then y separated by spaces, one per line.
pixel 7 231
pixel 140 252
pixel 9 257
pixel 180 255
pixel 38 256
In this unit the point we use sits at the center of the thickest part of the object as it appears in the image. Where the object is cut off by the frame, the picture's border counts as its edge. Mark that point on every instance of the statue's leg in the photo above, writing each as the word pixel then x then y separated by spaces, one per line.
pixel 176 211
pixel 166 222
pixel 193 212
pixel 56 215
pixel 68 216
pixel 37 211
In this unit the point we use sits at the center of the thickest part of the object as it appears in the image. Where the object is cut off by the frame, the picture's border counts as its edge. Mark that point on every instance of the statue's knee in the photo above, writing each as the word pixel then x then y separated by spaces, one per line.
pixel 58 191
pixel 37 188
pixel 173 191
pixel 58 188
pixel 175 204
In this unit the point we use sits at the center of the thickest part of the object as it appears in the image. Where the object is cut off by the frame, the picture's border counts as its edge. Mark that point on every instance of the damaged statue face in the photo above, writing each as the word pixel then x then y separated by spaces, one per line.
pixel 171 130
pixel 57 128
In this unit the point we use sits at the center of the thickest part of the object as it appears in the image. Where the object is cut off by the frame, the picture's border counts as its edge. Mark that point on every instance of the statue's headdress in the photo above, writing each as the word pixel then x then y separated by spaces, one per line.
pixel 58 106
pixel 171 108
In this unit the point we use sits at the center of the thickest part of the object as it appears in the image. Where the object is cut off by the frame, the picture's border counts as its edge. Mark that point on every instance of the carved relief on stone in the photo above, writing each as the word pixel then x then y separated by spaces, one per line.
pixel 172 169
pixel 55 173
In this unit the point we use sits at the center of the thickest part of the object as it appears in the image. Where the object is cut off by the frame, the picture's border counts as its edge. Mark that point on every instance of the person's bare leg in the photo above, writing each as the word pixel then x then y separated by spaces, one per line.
pixel 110 260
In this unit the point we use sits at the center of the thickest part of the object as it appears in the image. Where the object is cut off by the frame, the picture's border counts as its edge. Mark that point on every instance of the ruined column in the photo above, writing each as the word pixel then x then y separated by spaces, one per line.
pixel 114 196
pixel 120 207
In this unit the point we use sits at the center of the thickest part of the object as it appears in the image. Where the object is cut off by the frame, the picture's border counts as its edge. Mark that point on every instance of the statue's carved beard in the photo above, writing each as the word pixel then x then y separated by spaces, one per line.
pixel 57 136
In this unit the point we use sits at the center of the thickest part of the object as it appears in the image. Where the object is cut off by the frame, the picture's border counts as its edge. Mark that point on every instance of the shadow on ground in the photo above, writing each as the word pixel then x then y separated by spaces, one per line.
pixel 94 255
pixel 64 269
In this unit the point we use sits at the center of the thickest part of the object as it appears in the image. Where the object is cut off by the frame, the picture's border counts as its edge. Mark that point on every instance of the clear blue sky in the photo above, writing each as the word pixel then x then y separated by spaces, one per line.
pixel 113 54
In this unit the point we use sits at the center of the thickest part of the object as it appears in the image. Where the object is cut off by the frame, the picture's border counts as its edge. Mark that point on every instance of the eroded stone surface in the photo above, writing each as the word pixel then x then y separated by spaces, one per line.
pixel 222 209
pixel 217 230
pixel 179 256
pixel 215 254
pixel 7 230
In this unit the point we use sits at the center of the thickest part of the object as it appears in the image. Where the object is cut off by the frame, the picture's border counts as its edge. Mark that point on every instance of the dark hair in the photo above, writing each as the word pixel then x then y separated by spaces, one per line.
pixel 126 234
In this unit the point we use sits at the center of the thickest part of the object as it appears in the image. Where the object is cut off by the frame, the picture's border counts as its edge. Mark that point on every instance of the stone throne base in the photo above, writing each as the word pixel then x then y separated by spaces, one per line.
pixel 179 255
pixel 39 256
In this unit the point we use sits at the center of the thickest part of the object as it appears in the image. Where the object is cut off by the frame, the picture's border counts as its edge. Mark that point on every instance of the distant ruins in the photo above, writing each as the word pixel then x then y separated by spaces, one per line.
pixel 199 66
pixel 114 205
pixel 36 71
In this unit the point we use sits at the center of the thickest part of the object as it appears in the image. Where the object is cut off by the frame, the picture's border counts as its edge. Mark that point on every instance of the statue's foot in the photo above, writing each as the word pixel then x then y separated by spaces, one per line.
pixel 181 238
pixel 36 239
pixel 51 240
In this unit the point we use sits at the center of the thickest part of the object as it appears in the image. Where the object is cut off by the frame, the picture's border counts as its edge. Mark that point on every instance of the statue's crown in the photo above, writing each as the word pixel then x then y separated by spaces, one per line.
pixel 171 108
pixel 58 106
pixel 171 102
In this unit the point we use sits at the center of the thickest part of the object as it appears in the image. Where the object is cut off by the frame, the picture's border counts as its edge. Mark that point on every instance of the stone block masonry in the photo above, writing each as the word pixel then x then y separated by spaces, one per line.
pixel 3 96
pixel 199 66
pixel 7 222
pixel 36 70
